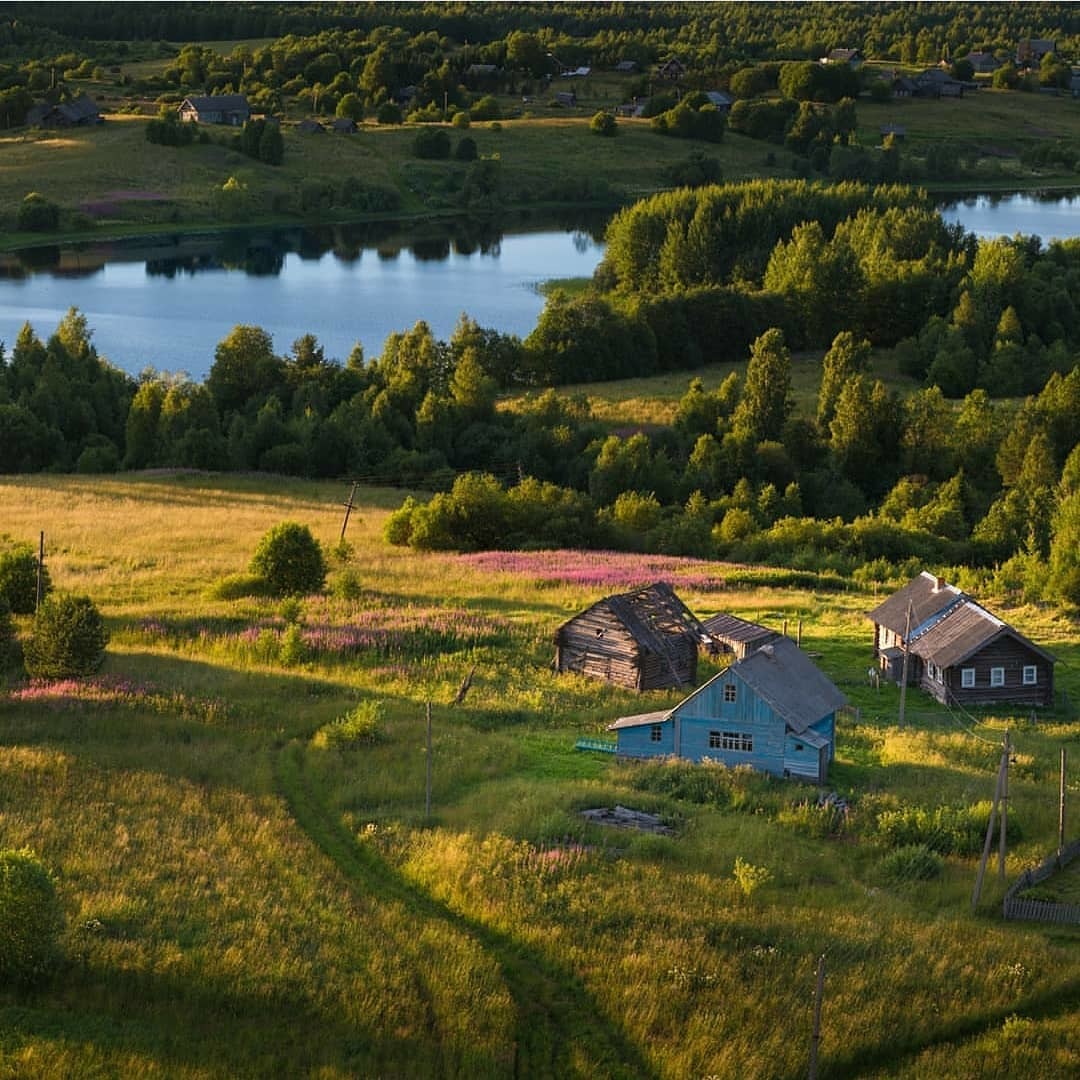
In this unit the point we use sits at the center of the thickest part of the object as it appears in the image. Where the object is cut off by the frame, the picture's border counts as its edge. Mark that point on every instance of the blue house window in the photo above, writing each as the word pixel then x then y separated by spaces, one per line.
pixel 729 691
pixel 656 733
pixel 742 741
pixel 714 740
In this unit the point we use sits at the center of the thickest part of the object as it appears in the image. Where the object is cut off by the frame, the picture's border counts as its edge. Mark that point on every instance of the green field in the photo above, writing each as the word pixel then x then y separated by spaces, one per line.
pixel 241 902
pixel 110 181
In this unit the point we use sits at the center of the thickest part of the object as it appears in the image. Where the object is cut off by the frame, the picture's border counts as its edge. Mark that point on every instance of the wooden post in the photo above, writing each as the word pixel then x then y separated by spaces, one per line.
pixel 1061 807
pixel 815 1038
pixel 40 571
pixel 785 628
pixel 798 635
pixel 427 799
pixel 1004 807
pixel 904 667
pixel 348 510
pixel 986 845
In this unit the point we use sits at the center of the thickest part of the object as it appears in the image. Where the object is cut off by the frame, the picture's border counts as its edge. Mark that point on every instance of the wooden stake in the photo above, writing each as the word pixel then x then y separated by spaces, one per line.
pixel 1004 807
pixel 40 571
pixel 427 799
pixel 904 668
pixel 815 1038
pixel 1061 807
pixel 798 635
pixel 348 510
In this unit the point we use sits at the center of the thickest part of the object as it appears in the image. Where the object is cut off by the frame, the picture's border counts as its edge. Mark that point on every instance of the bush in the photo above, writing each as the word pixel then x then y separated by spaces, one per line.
pixel 432 144
pixel 37 214
pixel 68 639
pixel 461 120
pixel 913 862
pixel 18 578
pixel 357 727
pixel 603 123
pixel 466 149
pixel 388 113
pixel 31 916
pixel 487 108
pixel 237 586
pixel 7 634
pixel 290 560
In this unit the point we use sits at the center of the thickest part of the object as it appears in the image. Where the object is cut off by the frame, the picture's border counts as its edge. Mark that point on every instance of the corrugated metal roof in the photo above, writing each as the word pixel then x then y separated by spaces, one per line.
pixel 963 631
pixel 640 720
pixel 217 102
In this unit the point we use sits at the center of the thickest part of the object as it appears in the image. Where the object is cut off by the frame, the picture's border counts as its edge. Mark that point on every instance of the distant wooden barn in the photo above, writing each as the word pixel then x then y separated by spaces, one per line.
pixel 730 634
pixel 644 640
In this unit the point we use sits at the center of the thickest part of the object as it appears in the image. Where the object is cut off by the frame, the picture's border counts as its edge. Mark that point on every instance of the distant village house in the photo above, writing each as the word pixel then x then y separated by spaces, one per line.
pixel 957 651
pixel 79 112
pixel 852 57
pixel 231 109
pixel 774 711
pixel 1030 51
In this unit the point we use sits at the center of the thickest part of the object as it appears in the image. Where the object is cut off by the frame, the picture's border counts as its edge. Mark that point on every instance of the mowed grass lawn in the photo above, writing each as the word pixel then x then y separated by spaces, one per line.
pixel 241 902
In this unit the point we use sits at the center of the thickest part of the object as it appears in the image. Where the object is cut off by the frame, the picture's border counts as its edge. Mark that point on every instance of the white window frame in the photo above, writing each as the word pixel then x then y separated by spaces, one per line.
pixel 740 741
pixel 1031 675
pixel 997 677
pixel 716 740
pixel 730 693
pixel 967 678
pixel 656 733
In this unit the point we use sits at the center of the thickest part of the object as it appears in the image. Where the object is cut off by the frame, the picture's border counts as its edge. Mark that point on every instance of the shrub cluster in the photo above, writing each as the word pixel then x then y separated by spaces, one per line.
pixel 360 726
pixel 68 639
pixel 31 917
pixel 289 559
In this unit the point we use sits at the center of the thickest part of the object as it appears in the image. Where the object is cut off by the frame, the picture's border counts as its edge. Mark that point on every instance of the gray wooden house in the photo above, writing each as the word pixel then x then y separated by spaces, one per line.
pixel 643 640
pixel 730 634
pixel 78 112
pixel 774 711
pixel 231 109
pixel 958 651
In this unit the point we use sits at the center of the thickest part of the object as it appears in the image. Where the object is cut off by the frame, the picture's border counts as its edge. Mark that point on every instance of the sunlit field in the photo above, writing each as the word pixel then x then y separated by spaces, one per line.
pixel 243 898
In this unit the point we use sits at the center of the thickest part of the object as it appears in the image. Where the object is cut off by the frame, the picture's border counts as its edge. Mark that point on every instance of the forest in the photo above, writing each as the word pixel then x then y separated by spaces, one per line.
pixel 979 467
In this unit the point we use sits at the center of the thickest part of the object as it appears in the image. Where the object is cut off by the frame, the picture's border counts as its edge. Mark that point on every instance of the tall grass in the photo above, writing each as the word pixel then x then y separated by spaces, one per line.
pixel 242 901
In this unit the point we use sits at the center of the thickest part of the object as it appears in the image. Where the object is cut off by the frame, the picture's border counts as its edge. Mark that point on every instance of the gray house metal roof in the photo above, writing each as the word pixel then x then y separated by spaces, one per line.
pixel 928 596
pixel 782 675
pixel 732 628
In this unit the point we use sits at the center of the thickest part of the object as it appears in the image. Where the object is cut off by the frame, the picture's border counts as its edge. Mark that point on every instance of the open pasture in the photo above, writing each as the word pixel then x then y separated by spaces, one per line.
pixel 243 902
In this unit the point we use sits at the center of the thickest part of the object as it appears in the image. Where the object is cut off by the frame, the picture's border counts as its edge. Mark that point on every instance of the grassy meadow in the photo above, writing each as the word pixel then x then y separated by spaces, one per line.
pixel 110 181
pixel 241 901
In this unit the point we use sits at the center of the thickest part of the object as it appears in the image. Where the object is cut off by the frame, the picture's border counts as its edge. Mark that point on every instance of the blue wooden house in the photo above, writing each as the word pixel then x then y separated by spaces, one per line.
pixel 774 711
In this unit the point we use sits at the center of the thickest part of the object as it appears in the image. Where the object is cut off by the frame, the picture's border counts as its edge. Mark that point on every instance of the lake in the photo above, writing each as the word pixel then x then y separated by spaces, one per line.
pixel 167 301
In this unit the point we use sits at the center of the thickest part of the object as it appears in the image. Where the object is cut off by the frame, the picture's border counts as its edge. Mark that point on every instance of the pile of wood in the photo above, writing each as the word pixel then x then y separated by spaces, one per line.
pixel 623 818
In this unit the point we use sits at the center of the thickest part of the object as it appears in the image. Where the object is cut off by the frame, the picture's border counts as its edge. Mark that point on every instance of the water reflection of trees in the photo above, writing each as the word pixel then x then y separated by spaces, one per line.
pixel 262 252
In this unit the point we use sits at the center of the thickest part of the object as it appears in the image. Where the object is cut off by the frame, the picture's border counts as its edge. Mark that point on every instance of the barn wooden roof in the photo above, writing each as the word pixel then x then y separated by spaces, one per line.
pixel 732 628
pixel 966 628
pixel 650 615
pixel 928 595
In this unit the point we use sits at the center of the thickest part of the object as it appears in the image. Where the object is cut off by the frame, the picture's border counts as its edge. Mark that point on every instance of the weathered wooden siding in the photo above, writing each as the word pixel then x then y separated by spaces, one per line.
pixel 637 741
pixel 803 760
pixel 1005 652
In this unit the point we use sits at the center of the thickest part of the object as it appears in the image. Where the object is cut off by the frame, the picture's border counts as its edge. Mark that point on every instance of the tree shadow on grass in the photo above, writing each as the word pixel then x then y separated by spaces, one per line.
pixel 560 1029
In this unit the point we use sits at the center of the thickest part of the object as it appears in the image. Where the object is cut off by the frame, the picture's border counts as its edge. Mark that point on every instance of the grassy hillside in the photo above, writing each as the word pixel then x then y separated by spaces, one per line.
pixel 109 179
pixel 241 902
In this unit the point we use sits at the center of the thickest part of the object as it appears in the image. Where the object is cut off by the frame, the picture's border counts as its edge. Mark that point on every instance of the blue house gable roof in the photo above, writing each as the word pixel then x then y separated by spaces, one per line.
pixel 774 711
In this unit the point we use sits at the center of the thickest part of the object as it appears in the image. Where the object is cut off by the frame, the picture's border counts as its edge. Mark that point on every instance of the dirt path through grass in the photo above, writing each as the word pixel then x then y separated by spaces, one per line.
pixel 560 1030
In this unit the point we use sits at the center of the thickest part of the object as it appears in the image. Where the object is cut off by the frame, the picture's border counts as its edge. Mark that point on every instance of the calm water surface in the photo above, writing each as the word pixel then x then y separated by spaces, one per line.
pixel 167 303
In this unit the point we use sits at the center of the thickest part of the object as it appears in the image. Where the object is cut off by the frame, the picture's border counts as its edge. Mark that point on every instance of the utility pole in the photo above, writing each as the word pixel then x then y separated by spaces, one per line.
pixel 815 1038
pixel 40 595
pixel 1004 807
pixel 1061 807
pixel 904 667
pixel 989 836
pixel 348 510
pixel 427 799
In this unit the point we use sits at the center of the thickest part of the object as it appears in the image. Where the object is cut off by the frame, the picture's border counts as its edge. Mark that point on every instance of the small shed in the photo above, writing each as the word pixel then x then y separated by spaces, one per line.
pixel 774 711
pixel 730 634
pixel 310 127
pixel 672 69
pixel 720 99
pixel 344 125
pixel 852 57
pixel 643 640
pixel 567 98
pixel 79 112
pixel 626 67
